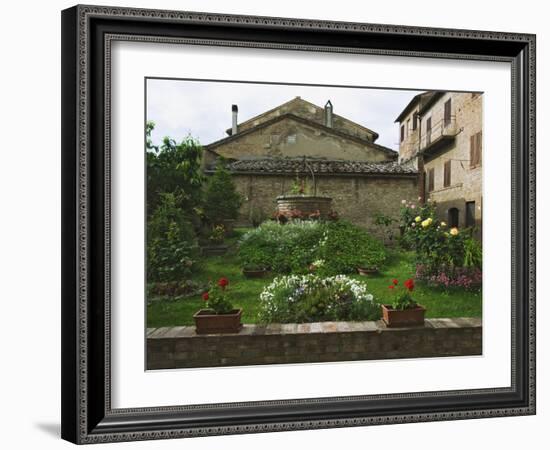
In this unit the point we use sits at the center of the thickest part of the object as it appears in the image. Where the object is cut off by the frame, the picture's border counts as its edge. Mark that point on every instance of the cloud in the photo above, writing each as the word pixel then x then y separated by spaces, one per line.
pixel 203 108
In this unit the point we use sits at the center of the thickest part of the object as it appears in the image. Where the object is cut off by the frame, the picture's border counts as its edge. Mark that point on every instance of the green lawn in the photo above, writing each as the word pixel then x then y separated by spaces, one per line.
pixel 245 292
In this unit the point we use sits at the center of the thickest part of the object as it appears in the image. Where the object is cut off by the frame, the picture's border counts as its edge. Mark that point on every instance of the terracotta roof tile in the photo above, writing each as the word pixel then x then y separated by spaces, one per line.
pixel 318 165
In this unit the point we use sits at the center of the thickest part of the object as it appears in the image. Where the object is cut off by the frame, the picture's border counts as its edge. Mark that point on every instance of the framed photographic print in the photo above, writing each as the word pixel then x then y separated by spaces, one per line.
pixel 278 224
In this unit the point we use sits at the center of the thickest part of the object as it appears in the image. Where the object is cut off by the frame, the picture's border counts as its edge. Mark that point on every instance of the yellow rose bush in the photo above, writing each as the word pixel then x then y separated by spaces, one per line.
pixel 449 257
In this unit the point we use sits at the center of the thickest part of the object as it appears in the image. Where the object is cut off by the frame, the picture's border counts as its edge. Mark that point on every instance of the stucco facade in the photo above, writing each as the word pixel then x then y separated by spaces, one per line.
pixel 446 146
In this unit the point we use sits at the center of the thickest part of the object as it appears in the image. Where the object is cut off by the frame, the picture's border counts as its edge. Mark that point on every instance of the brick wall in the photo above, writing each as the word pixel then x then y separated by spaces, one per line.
pixel 357 198
pixel 181 347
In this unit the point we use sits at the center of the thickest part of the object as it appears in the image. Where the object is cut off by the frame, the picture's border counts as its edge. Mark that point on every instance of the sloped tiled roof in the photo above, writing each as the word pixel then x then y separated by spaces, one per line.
pixel 318 165
pixel 424 99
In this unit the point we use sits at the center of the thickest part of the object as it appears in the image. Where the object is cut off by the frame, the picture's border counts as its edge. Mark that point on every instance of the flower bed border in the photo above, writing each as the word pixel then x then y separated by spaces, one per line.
pixel 181 347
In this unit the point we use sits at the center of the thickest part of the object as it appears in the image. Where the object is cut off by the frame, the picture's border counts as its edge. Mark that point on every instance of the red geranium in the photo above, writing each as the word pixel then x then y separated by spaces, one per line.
pixel 205 296
pixel 409 284
pixel 223 282
pixel 391 286
pixel 395 281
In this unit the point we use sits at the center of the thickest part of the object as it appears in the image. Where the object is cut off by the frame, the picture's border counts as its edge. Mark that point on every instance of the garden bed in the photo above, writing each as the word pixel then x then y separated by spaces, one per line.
pixel 439 302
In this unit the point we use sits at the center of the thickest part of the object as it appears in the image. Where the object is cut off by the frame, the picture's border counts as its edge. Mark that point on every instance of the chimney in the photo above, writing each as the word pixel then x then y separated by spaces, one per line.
pixel 328 114
pixel 235 111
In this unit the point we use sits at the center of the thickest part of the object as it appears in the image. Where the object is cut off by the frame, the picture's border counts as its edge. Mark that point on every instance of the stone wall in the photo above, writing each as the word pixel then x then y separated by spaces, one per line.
pixel 466 181
pixel 181 347
pixel 357 198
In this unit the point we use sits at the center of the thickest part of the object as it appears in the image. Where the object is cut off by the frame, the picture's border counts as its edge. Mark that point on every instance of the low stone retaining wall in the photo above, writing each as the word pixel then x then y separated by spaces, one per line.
pixel 181 347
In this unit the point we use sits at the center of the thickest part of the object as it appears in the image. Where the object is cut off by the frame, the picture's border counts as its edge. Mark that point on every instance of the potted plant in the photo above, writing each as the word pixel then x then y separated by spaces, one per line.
pixel 404 311
pixel 253 270
pixel 219 315
pixel 215 244
pixel 365 270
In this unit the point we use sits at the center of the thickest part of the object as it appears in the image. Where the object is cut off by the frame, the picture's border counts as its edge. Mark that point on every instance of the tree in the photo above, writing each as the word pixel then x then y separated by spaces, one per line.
pixel 221 199
pixel 175 168
pixel 171 242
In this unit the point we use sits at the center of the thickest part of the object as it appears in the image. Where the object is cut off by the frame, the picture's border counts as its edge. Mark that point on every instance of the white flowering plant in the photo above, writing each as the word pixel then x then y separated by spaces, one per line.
pixel 310 298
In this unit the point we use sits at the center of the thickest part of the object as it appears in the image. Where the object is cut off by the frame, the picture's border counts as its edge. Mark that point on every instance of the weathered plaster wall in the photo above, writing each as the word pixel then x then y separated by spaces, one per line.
pixel 291 138
pixel 307 110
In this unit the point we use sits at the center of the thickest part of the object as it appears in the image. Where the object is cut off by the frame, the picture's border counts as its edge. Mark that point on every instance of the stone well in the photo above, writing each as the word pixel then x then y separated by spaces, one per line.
pixel 307 204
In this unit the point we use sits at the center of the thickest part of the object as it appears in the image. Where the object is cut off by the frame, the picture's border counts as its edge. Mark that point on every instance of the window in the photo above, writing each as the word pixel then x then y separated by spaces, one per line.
pixel 470 214
pixel 415 121
pixel 447 113
pixel 429 130
pixel 447 173
pixel 452 217
pixel 408 127
pixel 431 176
pixel 291 139
pixel 402 133
pixel 475 149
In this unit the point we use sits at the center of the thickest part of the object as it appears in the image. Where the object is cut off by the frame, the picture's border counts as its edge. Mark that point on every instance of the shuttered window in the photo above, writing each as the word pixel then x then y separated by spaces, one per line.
pixel 447 113
pixel 447 174
pixel 470 214
pixel 431 176
pixel 429 130
pixel 475 149
pixel 415 122
pixel 402 133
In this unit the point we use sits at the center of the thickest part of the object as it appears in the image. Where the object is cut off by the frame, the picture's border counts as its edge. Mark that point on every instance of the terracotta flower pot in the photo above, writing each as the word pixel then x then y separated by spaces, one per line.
pixel 254 273
pixel 214 250
pixel 403 317
pixel 208 322
pixel 367 270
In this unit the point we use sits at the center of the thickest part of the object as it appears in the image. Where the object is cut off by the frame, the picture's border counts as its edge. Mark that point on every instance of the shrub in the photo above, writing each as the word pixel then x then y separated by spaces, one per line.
pixel 283 248
pixel 330 248
pixel 173 167
pixel 309 298
pixel 444 257
pixel 171 242
pixel 221 199
pixel 345 247
pixel 436 245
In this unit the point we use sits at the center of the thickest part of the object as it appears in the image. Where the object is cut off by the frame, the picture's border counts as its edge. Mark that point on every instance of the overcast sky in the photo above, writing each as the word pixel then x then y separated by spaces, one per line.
pixel 203 108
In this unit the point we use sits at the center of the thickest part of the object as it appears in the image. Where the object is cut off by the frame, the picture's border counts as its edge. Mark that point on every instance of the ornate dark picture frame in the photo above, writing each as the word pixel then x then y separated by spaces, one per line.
pixel 87 33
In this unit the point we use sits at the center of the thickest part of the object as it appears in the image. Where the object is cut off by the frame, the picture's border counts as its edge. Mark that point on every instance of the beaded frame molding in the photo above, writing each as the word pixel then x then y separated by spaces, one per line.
pixel 87 34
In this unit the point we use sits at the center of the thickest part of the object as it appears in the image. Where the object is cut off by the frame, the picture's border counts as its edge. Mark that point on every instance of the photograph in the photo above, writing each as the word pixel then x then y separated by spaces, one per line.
pixel 296 221
pixel 297 224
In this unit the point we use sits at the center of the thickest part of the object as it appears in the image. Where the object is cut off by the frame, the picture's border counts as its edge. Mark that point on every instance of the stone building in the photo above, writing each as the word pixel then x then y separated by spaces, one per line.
pixel 440 133
pixel 338 157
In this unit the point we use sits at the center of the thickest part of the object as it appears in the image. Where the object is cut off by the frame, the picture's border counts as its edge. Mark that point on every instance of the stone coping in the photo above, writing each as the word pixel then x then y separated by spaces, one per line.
pixel 313 328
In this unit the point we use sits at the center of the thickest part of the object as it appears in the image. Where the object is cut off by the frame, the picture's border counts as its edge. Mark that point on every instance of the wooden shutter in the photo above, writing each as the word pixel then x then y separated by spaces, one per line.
pixel 402 132
pixel 431 174
pixel 429 130
pixel 472 150
pixel 415 121
pixel 447 174
pixel 447 113
pixel 475 149
pixel 478 148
